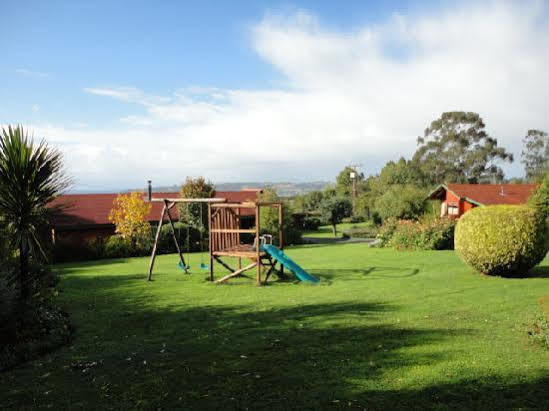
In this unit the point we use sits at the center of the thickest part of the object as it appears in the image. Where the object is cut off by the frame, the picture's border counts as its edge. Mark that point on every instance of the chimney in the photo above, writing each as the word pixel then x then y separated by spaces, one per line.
pixel 149 189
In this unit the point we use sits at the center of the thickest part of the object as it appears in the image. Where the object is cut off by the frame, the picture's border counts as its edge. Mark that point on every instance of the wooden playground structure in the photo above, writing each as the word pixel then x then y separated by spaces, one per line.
pixel 227 238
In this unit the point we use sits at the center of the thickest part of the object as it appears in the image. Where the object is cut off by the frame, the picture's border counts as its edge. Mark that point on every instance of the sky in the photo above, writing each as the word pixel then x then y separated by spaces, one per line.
pixel 263 90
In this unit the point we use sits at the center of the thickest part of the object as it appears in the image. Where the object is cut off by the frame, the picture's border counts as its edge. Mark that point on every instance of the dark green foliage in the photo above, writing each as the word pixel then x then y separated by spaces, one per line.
pixel 269 220
pixel 308 202
pixel 31 175
pixel 401 172
pixel 195 214
pixel 394 176
pixel 33 327
pixel 502 240
pixel 67 249
pixel 456 148
pixel 535 155
pixel 401 202
pixel 431 234
pixel 188 238
pixel 335 209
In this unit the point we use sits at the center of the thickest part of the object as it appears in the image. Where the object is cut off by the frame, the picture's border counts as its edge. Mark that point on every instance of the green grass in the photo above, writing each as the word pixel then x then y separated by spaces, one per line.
pixel 383 330
pixel 325 231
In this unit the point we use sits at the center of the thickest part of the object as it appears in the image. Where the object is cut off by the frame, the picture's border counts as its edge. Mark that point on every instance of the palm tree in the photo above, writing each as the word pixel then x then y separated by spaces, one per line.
pixel 31 175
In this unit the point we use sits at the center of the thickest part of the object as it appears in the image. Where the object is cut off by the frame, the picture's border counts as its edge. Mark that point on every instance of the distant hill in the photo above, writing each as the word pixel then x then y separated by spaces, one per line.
pixel 282 189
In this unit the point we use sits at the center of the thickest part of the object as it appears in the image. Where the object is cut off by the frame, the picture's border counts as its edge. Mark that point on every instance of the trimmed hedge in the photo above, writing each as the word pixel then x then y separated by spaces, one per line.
pixel 502 239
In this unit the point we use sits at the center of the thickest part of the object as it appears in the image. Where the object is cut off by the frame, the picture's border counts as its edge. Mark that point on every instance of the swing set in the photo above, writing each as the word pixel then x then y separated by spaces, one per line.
pixel 226 237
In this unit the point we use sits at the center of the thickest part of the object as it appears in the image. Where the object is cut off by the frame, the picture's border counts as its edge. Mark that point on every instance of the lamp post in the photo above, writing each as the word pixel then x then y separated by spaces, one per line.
pixel 352 175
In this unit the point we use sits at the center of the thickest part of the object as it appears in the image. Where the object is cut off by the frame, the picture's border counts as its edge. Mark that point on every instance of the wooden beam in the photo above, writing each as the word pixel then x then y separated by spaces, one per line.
pixel 233 230
pixel 156 237
pixel 181 259
pixel 189 200
pixel 220 261
pixel 257 247
pixel 234 205
pixel 268 203
pixel 210 241
pixel 237 272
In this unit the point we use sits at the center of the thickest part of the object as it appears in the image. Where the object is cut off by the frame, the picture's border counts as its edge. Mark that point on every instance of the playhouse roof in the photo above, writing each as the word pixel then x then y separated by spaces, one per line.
pixel 89 210
pixel 487 194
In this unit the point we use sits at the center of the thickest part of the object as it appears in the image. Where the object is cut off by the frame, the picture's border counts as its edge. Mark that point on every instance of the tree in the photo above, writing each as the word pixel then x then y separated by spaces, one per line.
pixel 344 183
pixel 334 210
pixel 535 155
pixel 456 148
pixel 31 176
pixel 129 215
pixel 401 201
pixel 401 172
pixel 191 212
pixel 308 202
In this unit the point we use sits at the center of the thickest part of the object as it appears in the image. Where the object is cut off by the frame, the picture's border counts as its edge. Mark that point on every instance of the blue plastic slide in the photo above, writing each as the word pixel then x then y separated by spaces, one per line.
pixel 287 262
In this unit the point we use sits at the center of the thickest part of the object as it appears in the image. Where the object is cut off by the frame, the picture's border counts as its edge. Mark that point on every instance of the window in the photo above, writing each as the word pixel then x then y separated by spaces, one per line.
pixel 453 209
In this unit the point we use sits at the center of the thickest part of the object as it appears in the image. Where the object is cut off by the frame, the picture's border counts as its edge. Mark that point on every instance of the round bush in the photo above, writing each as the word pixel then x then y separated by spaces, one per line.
pixel 502 239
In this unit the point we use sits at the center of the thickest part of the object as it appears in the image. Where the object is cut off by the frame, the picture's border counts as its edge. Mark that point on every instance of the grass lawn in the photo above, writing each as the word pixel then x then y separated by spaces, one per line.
pixel 325 231
pixel 383 330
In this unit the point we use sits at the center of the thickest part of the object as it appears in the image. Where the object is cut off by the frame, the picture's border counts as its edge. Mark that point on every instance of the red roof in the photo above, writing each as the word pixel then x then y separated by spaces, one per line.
pixel 88 210
pixel 490 194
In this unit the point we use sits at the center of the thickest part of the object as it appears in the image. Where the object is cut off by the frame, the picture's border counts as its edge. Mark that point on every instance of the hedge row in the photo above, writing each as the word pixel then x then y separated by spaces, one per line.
pixel 117 247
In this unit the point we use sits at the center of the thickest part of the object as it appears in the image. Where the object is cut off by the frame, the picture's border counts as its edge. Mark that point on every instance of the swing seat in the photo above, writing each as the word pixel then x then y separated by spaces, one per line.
pixel 183 267
pixel 204 266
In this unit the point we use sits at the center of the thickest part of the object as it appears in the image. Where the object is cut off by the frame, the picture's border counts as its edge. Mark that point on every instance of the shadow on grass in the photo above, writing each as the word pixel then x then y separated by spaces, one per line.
pixel 540 271
pixel 245 356
pixel 342 274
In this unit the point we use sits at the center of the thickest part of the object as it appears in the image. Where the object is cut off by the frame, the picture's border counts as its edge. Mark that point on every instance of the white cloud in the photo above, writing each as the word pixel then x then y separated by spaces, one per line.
pixel 362 95
pixel 31 73
pixel 35 108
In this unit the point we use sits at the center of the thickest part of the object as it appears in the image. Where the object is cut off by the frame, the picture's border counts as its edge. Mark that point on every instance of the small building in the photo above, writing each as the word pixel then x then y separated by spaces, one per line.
pixel 85 217
pixel 457 199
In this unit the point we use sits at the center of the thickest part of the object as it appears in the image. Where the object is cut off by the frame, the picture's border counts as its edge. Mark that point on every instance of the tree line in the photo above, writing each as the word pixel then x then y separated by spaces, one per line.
pixel 455 148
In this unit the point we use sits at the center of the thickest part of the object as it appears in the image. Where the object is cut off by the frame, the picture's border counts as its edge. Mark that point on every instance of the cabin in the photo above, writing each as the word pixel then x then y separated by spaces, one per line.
pixel 85 217
pixel 457 199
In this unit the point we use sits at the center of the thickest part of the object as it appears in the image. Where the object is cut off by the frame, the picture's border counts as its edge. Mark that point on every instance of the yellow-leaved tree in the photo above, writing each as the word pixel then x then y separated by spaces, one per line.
pixel 129 215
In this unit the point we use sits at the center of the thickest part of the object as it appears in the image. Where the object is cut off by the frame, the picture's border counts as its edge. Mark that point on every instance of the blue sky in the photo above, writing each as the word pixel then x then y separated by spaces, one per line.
pixel 315 84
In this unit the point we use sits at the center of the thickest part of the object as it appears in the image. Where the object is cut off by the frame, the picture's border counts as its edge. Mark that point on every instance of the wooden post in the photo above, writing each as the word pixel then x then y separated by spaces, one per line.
pixel 257 248
pixel 280 229
pixel 280 235
pixel 210 242
pixel 238 242
pixel 156 237
pixel 181 259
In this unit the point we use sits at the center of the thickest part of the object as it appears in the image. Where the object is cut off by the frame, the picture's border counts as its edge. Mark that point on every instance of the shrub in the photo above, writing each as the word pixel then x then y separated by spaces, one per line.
pixel 117 247
pixel 386 231
pixel 188 238
pixel 67 249
pixel 502 240
pixel 430 234
pixel 311 223
pixel 401 201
